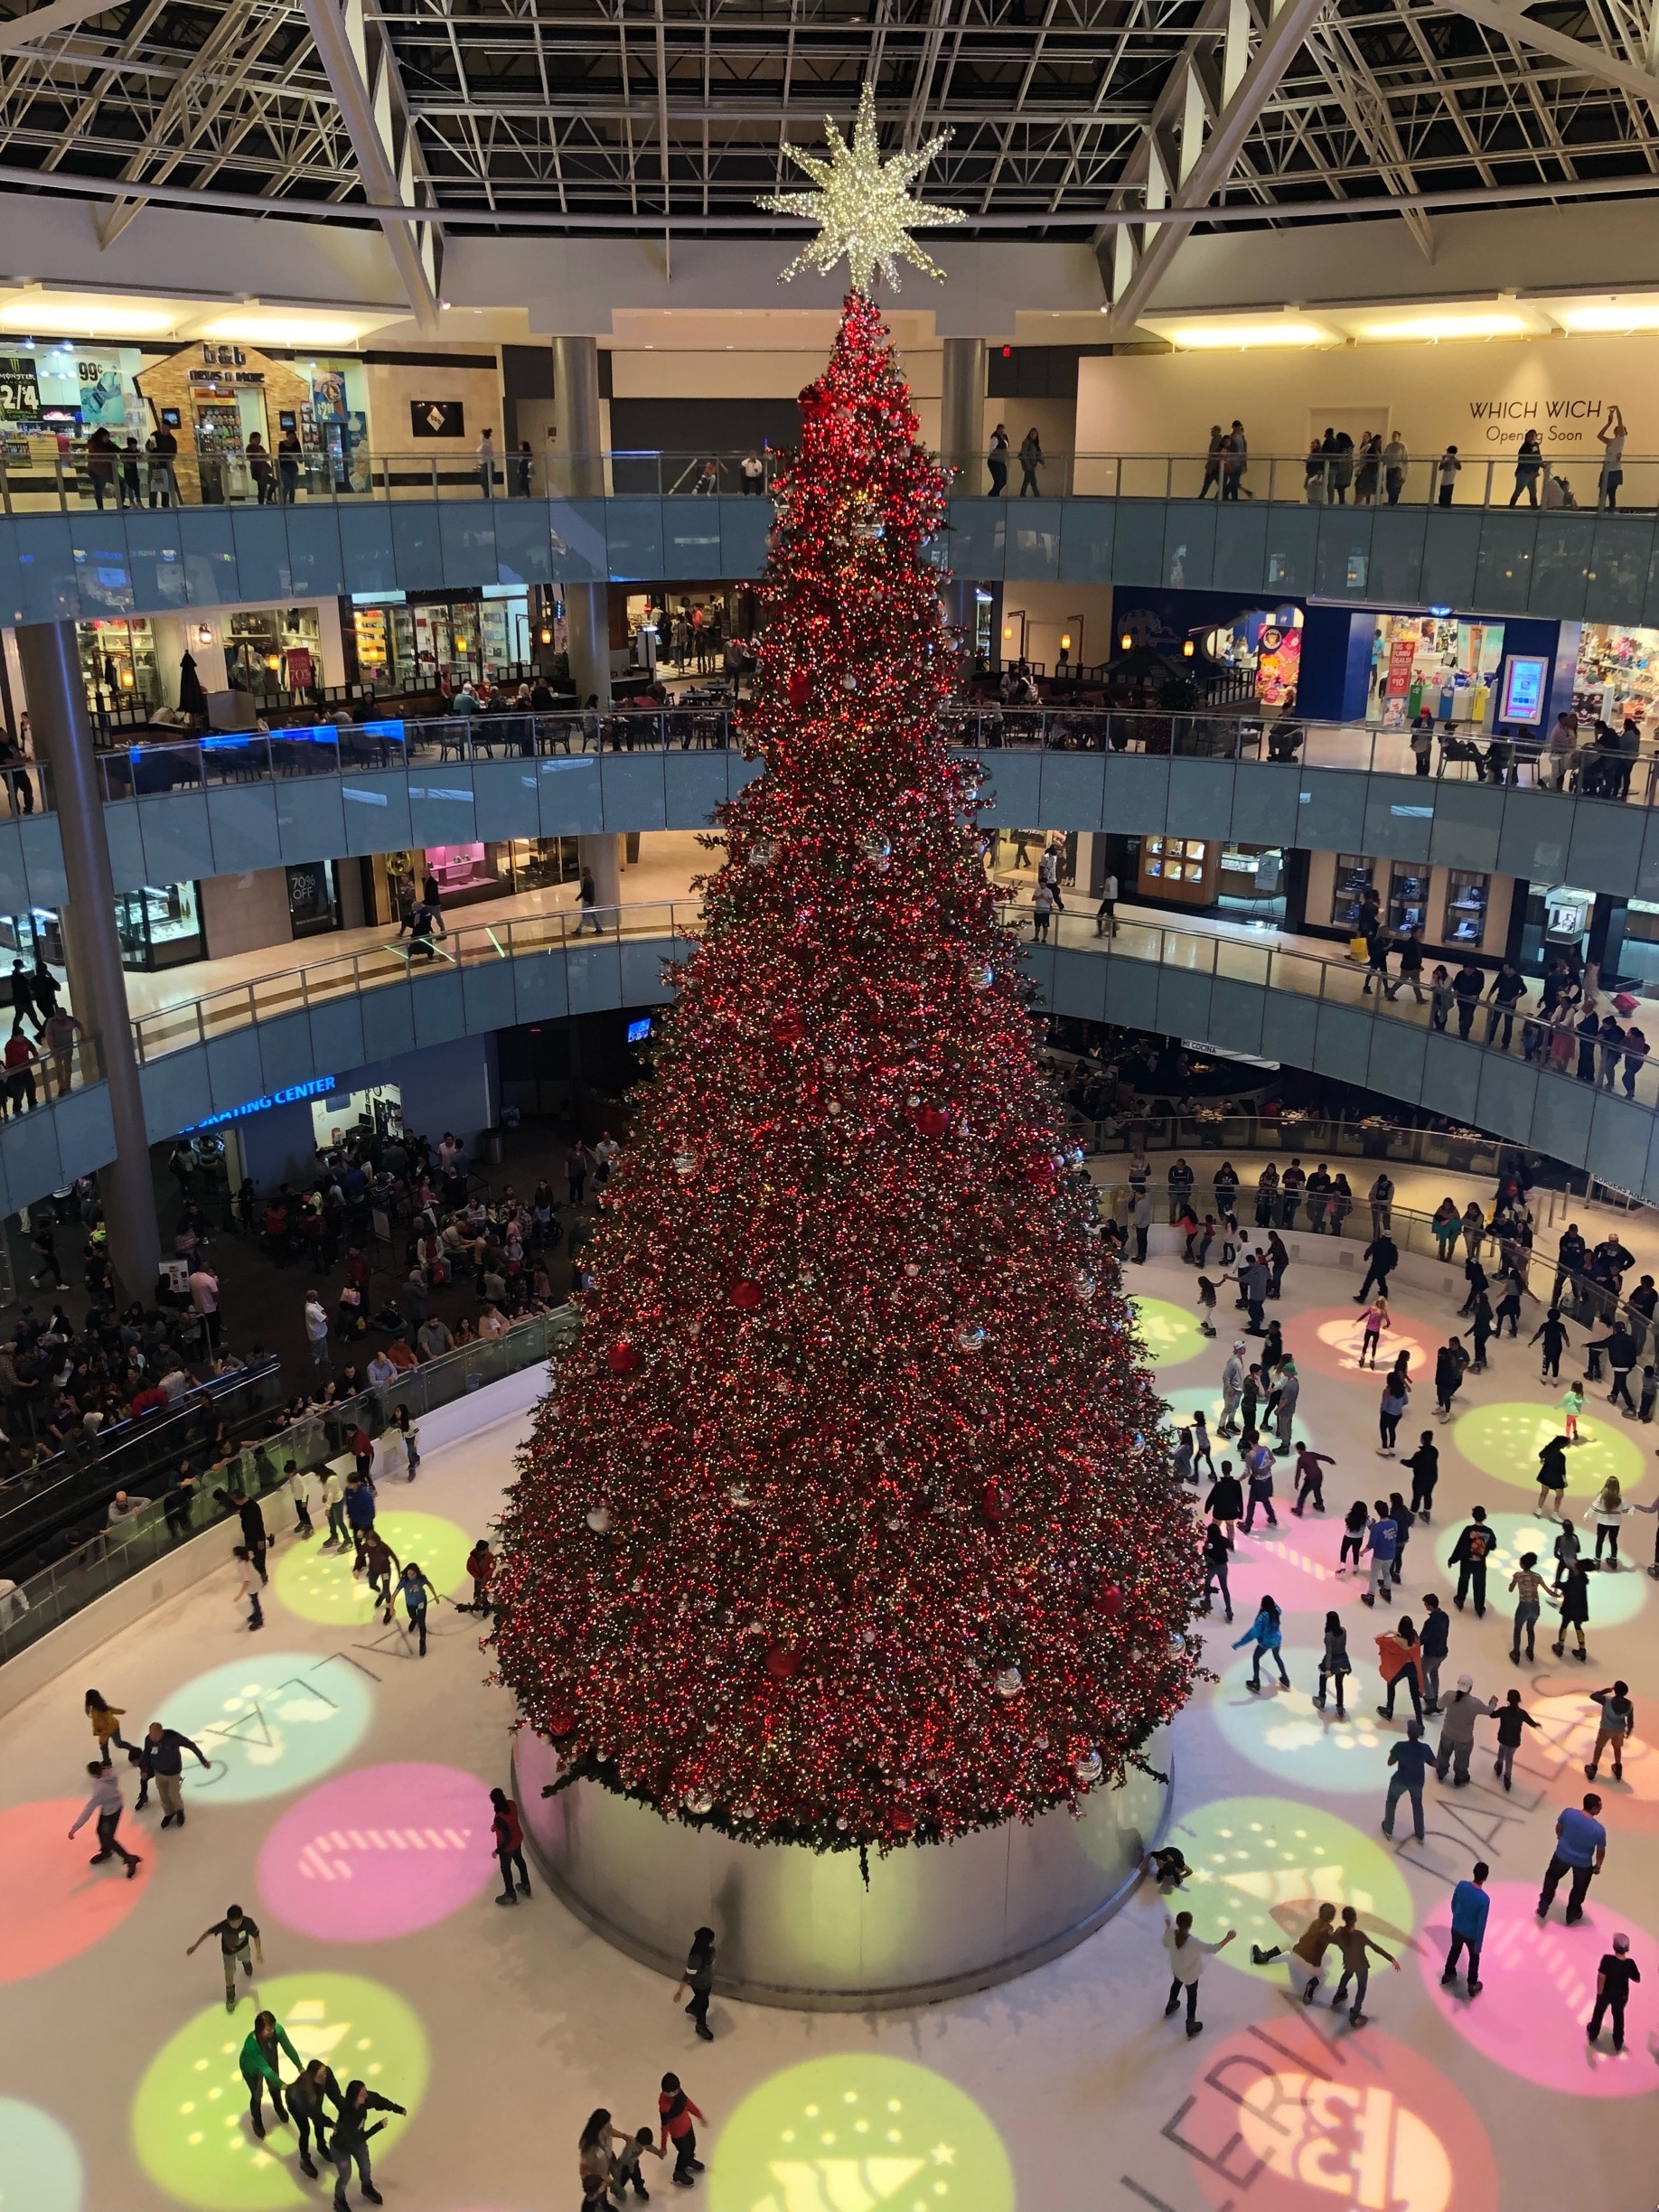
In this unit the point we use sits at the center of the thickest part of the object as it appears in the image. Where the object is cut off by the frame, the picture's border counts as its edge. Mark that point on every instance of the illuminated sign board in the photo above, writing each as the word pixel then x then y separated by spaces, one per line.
pixel 318 1087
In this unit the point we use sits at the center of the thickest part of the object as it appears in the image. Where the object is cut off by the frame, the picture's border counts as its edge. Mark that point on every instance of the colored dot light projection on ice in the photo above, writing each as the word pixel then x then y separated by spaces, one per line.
pixel 319 1586
pixel 191 2128
pixel 1328 1340
pixel 1613 1597
pixel 1264 1866
pixel 1505 1441
pixel 380 1853
pixel 270 1722
pixel 1538 1989
pixel 1169 1333
pixel 1388 2134
pixel 40 2166
pixel 52 1904
pixel 861 2134
pixel 1286 1734
pixel 1294 1564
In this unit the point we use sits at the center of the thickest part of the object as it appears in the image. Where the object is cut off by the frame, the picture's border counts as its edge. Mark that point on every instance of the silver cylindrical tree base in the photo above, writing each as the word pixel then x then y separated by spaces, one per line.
pixel 799 1927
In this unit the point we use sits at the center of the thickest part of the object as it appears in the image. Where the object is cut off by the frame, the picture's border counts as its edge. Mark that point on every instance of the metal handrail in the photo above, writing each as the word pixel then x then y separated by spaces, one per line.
pixel 1239 957
pixel 68 484
pixel 1457 753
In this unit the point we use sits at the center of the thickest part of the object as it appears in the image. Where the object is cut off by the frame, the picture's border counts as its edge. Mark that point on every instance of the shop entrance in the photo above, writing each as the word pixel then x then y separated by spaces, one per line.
pixel 1433 663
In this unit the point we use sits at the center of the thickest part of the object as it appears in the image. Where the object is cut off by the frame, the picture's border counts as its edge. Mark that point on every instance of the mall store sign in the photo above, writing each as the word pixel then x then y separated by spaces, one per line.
pixel 318 1087
pixel 1483 398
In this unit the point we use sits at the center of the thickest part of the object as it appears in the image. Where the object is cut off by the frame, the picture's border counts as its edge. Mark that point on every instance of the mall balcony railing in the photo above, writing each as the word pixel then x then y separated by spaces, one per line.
pixel 1563 479
pixel 1236 956
pixel 1457 753
pixel 51 1073
pixel 59 1491
pixel 30 1608
pixel 1338 980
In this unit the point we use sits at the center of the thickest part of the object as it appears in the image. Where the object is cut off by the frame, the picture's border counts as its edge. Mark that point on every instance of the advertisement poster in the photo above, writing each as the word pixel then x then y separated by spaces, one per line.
pixel 20 394
pixel 328 392
pixel 1278 664
pixel 1402 653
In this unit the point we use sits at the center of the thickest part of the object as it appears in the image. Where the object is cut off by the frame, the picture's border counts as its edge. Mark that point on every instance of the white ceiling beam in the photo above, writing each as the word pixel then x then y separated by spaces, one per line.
pixel 1582 60
pixel 1281 43
pixel 19 31
pixel 335 47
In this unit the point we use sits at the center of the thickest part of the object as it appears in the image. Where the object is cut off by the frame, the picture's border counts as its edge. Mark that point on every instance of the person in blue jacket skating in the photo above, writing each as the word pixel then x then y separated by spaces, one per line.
pixel 1265 1634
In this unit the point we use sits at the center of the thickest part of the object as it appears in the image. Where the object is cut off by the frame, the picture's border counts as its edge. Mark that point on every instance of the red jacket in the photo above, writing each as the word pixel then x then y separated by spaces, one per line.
pixel 509 1836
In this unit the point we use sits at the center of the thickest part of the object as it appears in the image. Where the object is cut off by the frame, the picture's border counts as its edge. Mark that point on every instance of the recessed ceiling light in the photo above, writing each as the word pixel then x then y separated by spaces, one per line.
pixel 1281 330
pixel 87 319
pixel 1476 323
pixel 277 329
pixel 1635 315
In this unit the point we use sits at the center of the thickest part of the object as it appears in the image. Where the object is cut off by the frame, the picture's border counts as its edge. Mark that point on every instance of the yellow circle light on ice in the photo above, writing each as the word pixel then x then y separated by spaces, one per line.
pixel 190 2130
pixel 861 2133
pixel 1265 1865
pixel 1505 1441
pixel 319 1586
pixel 1170 1333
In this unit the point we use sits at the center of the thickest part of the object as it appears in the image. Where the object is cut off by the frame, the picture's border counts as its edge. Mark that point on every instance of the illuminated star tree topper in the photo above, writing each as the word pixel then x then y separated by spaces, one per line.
pixel 863 206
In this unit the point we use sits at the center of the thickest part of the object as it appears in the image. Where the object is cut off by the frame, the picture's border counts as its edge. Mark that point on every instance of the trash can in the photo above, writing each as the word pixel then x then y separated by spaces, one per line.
pixel 490 1147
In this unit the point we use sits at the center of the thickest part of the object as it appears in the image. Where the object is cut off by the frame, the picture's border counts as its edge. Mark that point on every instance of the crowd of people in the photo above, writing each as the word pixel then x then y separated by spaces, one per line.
pixel 468 1266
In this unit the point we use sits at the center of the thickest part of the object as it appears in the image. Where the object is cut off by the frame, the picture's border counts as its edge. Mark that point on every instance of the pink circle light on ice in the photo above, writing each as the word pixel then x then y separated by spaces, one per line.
pixel 1537 1986
pixel 380 1853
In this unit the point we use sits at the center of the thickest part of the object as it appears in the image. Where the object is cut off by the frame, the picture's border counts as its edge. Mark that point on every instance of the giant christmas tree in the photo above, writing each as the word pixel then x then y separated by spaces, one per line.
pixel 846 1519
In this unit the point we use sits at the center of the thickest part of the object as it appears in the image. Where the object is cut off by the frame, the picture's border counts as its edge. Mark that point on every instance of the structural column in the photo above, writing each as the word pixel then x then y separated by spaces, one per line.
pixel 961 410
pixel 580 472
pixel 57 701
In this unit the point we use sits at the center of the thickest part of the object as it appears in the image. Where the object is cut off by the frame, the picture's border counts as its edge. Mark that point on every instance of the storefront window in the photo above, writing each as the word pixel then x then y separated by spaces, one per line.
pixel 1355 874
pixel 1261 648
pixel 1465 909
pixel 119 660
pixel 377 1112
pixel 34 937
pixel 1185 869
pixel 1433 661
pixel 1617 675
pixel 1251 883
pixel 1408 899
pixel 159 926
pixel 274 653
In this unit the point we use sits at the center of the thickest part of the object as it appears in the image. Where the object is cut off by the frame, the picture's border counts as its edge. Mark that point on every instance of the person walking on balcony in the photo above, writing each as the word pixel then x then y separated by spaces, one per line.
pixel 1213 461
pixel 1529 468
pixel 997 461
pixel 1030 461
pixel 163 447
pixel 1612 434
pixel 1396 460
pixel 486 464
pixel 1447 469
pixel 289 454
pixel 1235 461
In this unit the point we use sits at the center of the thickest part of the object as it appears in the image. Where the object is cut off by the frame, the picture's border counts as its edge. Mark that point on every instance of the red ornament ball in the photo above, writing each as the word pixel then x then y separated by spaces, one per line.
pixel 783 1662
pixel 561 1724
pixel 788 1027
pixel 931 1120
pixel 903 1822
pixel 621 1358
pixel 990 1503
pixel 745 1294
pixel 800 687
pixel 1108 1599
pixel 1041 1171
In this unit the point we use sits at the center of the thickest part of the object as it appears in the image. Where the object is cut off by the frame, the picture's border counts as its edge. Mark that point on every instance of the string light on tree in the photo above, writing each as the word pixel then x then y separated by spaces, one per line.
pixel 846 1520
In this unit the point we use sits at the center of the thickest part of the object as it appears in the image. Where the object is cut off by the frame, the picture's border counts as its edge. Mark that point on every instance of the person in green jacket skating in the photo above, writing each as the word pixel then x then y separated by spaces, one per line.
pixel 260 2070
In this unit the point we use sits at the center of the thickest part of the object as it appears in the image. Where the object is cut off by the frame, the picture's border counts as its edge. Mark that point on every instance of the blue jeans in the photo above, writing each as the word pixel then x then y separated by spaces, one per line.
pixel 1397 1789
